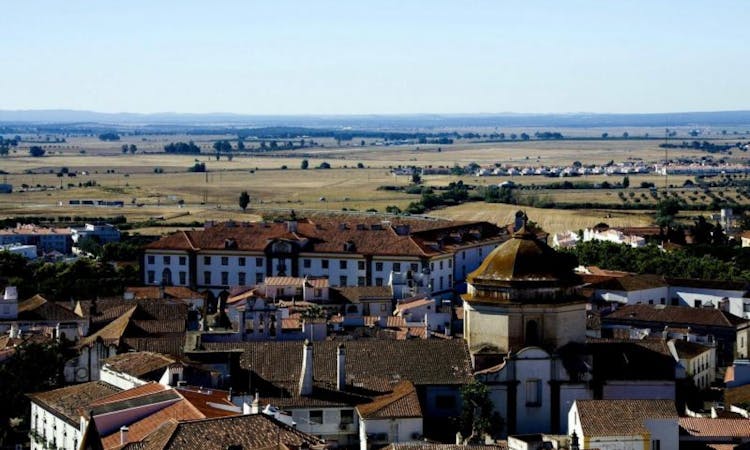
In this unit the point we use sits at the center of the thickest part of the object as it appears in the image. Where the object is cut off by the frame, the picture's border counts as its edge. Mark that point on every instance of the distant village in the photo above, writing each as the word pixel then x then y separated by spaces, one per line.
pixel 370 333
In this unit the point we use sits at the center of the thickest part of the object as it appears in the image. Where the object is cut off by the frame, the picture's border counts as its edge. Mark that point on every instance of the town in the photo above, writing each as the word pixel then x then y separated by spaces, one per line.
pixel 367 332
pixel 374 225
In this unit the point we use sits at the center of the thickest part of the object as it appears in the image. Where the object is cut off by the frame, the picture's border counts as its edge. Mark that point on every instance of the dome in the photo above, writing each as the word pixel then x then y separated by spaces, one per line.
pixel 524 260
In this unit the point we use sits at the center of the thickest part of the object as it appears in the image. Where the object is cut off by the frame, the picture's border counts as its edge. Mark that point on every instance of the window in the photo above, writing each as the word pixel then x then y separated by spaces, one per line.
pixel 206 277
pixel 342 264
pixel 663 301
pixel 150 276
pixel 432 266
pixel 241 278
pixel 414 267
pixel 258 262
pixel 651 302
pixel 306 263
pixel 450 263
pixel 167 260
pixel 450 281
pixel 534 393
pixel 397 267
pixel 441 265
pixel 225 278
pixel 183 277
pixel 360 265
pixel 698 303
pixel 378 281
pixel 324 263
pixel 151 259
pixel 360 281
pixel 347 416
pixel 183 260
pixel 258 278
pixel 463 256
pixel 383 307
pixel 378 266
pixel 207 260
pixel 224 260
pixel 241 261
pixel 655 444
pixel 445 401
pixel 316 416
pixel 343 280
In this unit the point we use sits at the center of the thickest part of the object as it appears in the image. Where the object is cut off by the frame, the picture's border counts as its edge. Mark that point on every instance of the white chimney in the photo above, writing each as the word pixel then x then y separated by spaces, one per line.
pixel 255 406
pixel 10 294
pixel 306 377
pixel 123 435
pixel 341 367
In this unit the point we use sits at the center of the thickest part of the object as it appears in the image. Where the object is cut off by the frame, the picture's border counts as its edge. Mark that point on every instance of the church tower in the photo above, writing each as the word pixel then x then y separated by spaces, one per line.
pixel 523 295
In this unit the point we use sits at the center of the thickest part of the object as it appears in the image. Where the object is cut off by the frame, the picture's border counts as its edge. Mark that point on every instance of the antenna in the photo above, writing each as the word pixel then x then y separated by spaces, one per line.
pixel 666 158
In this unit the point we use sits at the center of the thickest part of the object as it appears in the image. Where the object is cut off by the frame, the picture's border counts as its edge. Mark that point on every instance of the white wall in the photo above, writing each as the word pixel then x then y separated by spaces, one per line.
pixel 645 296
pixel 623 390
pixel 397 430
pixel 119 379
pixel 667 431
pixel 52 427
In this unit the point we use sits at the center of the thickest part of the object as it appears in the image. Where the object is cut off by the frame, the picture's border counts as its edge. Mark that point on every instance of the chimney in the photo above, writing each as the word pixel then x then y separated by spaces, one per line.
pixel 123 435
pixel 341 367
pixel 291 226
pixel 306 377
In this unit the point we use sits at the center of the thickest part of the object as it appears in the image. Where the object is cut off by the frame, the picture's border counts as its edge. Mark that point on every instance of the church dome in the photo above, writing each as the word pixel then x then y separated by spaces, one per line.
pixel 525 261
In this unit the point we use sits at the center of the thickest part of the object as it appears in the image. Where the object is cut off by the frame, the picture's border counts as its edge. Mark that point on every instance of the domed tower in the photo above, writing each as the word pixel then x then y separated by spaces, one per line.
pixel 523 294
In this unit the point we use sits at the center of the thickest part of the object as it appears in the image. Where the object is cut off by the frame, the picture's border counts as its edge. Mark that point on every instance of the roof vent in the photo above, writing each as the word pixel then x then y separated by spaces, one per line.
pixel 230 243
pixel 342 226
pixel 349 246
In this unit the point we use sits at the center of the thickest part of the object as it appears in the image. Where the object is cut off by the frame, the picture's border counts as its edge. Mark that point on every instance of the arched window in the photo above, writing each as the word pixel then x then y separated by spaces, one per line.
pixel 166 277
pixel 532 333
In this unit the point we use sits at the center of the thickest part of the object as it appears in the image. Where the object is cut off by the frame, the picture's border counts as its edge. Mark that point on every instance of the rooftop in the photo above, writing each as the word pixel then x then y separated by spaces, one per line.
pixel 138 364
pixel 402 402
pixel 707 427
pixel 67 402
pixel 622 417
pixel 673 315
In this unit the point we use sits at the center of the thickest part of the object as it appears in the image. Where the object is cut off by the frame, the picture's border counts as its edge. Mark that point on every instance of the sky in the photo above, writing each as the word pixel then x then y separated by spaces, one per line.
pixel 375 57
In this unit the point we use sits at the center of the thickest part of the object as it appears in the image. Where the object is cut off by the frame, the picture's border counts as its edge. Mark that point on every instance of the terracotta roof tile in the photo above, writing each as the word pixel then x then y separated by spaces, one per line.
pixel 139 364
pixel 255 431
pixel 402 402
pixel 205 401
pixel 67 402
pixel 621 417
pixel 138 391
pixel 154 292
pixel 630 283
pixel 673 315
pixel 178 411
pixel 357 294
pixel 331 236
pixel 415 304
pixel 689 350
pixel 708 427
pixel 38 308
pixel 435 446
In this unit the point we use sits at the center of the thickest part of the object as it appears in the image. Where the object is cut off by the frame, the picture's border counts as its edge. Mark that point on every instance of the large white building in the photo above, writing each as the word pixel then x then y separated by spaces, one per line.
pixel 356 253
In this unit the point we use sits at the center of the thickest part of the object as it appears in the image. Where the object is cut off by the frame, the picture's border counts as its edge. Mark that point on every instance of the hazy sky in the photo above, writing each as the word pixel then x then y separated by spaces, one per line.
pixel 361 56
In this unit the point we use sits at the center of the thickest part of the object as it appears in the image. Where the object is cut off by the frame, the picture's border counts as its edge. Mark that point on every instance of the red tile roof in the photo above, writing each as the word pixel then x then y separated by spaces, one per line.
pixel 207 400
pixel 429 238
pixel 401 402
pixel 621 417
pixel 152 292
pixel 138 364
pixel 678 315
pixel 67 402
pixel 138 391
pixel 708 427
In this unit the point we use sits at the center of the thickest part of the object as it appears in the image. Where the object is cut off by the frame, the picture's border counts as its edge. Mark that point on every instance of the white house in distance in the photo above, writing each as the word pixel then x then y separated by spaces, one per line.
pixel 699 361
pixel 624 424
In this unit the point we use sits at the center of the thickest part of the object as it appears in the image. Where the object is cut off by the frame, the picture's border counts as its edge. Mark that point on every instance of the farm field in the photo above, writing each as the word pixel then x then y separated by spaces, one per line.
pixel 158 186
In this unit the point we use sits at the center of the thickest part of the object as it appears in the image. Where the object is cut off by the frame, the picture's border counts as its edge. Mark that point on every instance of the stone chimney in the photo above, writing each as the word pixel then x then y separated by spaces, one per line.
pixel 341 367
pixel 306 376
pixel 123 435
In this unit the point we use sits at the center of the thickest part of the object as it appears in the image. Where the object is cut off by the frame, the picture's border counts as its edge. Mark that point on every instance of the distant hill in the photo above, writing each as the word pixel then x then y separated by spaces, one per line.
pixel 410 121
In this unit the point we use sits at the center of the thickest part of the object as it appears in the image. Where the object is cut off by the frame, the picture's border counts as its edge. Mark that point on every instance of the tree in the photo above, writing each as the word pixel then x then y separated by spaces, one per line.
pixel 240 145
pixel 625 135
pixel 324 165
pixel 133 149
pixel 244 200
pixel 33 367
pixel 605 135
pixel 416 177
pixel 626 182
pixel 304 165
pixel 524 136
pixel 36 151
pixel 477 416
pixel 666 210
pixel 360 165
pixel 125 148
